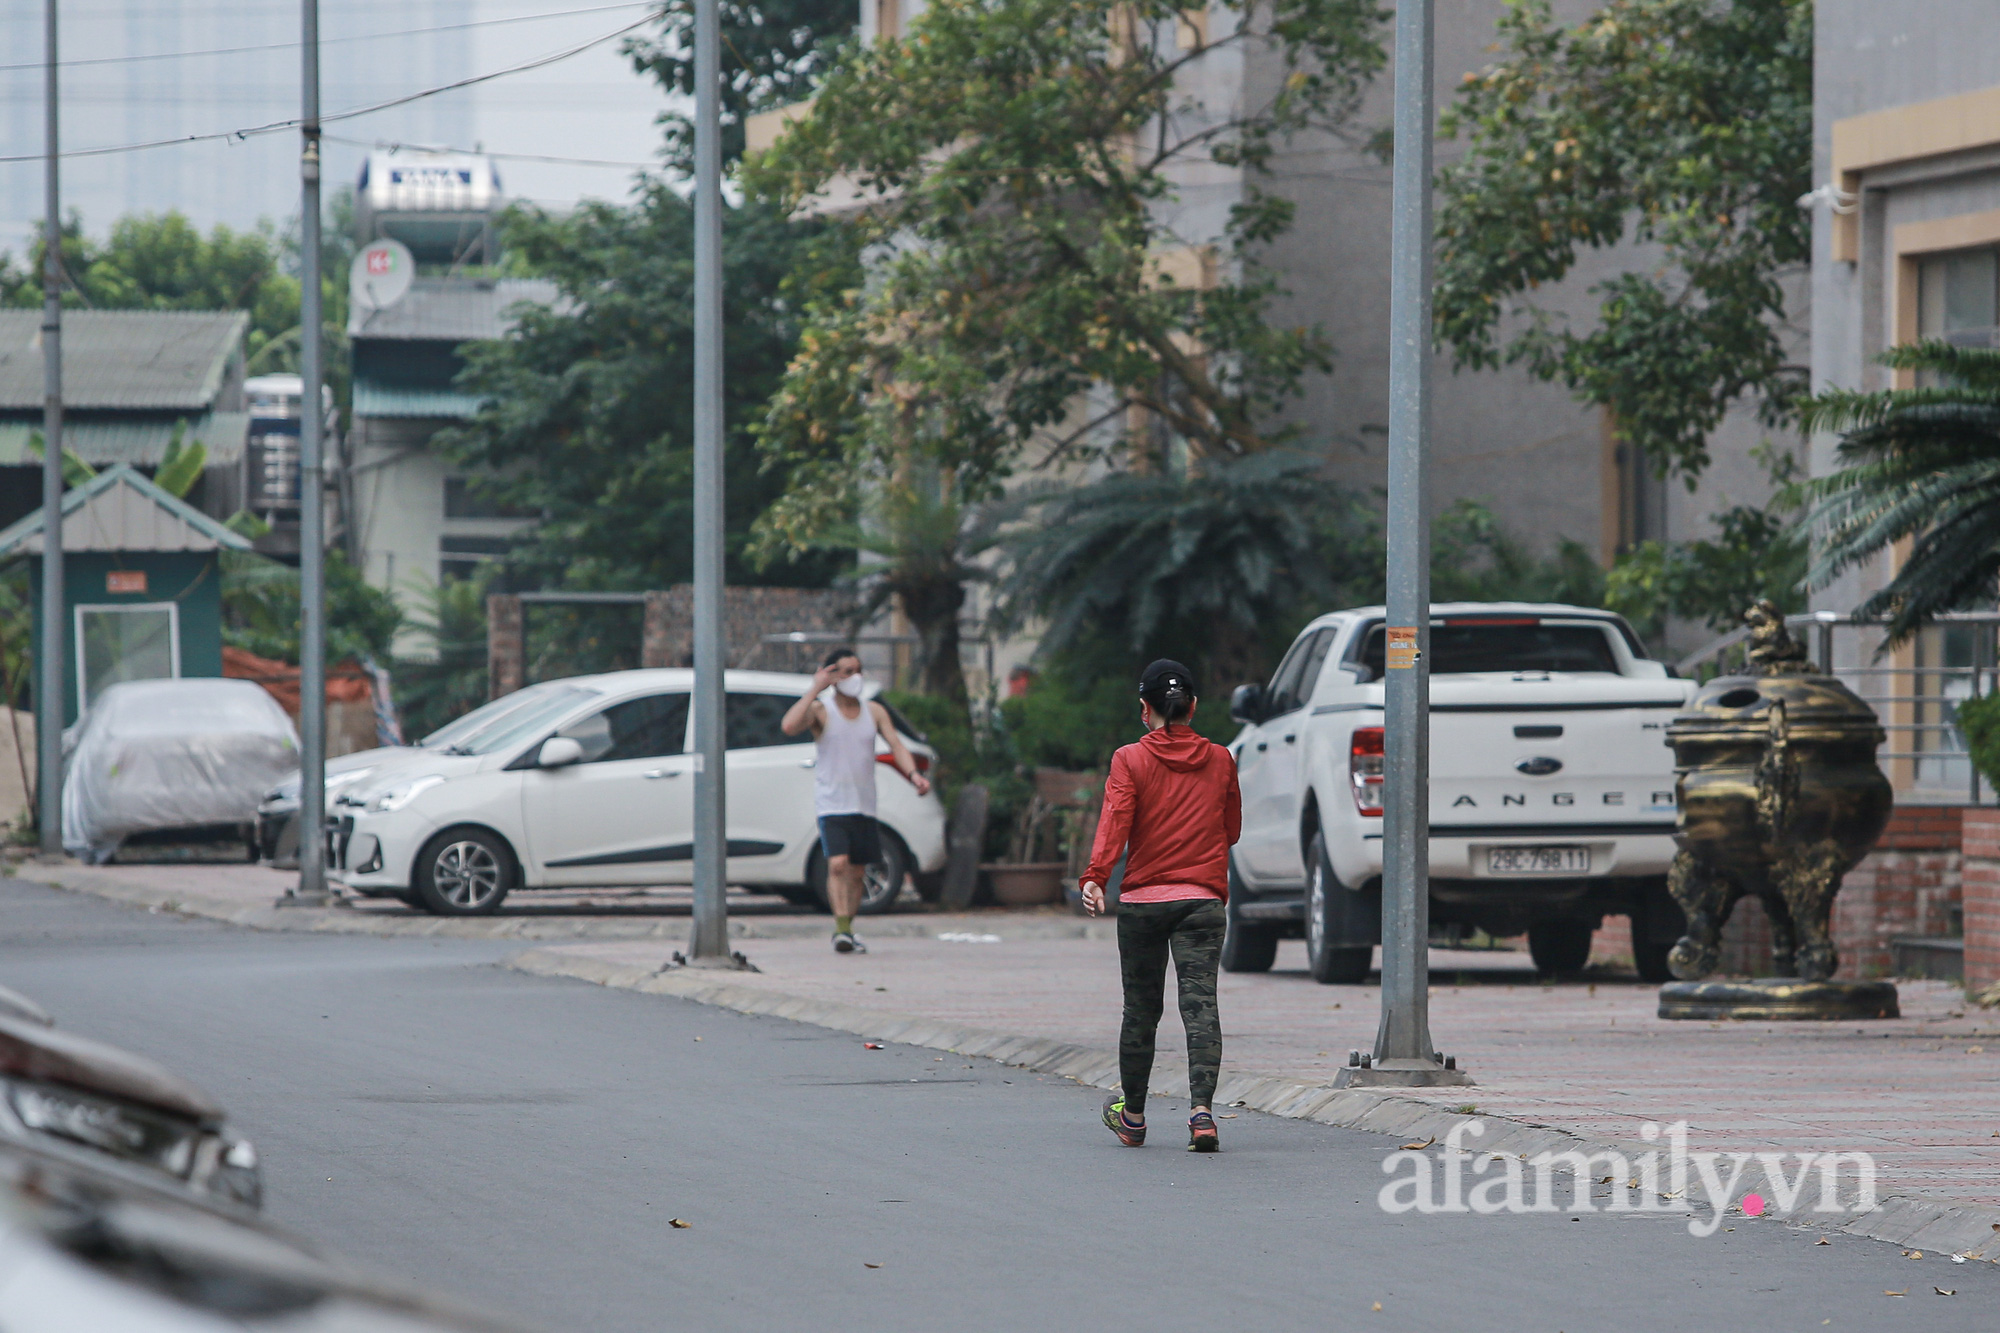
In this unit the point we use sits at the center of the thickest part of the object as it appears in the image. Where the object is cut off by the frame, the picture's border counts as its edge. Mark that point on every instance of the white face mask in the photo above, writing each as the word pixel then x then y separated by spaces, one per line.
pixel 851 686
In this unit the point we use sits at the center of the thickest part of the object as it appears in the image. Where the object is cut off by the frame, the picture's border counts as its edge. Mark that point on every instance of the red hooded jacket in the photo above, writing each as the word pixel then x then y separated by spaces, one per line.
pixel 1173 798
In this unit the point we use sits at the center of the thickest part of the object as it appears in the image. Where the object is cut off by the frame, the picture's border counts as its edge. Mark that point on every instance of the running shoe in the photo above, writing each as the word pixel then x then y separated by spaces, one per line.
pixel 1201 1133
pixel 844 942
pixel 1114 1120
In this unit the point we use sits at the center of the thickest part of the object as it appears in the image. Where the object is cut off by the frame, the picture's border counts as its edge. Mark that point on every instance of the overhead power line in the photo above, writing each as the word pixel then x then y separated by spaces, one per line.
pixel 324 41
pixel 394 144
pixel 278 126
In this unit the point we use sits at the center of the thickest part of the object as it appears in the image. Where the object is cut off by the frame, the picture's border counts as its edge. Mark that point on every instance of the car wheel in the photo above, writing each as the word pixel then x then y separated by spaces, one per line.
pixel 1561 947
pixel 464 872
pixel 881 883
pixel 1245 947
pixel 1334 920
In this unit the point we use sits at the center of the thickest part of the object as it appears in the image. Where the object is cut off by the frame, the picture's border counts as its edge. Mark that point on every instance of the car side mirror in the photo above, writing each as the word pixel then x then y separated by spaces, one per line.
pixel 1246 704
pixel 559 752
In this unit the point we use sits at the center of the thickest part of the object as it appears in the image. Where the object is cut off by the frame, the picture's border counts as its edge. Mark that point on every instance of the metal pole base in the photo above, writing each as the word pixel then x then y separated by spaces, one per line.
pixel 1438 1073
pixel 729 962
pixel 297 896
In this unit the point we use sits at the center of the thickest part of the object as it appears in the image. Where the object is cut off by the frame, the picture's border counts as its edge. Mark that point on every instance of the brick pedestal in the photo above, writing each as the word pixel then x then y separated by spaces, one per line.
pixel 1982 897
pixel 1908 885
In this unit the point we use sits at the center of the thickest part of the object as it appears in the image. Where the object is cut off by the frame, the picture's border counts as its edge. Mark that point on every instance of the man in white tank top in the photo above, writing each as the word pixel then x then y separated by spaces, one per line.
pixel 844 780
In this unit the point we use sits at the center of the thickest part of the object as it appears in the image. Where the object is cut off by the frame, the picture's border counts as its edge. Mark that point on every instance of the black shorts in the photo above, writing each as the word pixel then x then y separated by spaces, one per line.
pixel 855 837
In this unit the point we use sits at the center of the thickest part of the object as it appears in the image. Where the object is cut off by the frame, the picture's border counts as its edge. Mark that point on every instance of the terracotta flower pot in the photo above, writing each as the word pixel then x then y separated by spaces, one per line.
pixel 1026 884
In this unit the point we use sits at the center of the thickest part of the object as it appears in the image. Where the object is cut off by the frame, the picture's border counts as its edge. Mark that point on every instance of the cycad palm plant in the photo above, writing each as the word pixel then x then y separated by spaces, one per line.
pixel 1200 565
pixel 1921 464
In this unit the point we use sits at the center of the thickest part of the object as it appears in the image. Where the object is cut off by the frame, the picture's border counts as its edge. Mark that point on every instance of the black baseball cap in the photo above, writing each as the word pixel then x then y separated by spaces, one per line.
pixel 1164 675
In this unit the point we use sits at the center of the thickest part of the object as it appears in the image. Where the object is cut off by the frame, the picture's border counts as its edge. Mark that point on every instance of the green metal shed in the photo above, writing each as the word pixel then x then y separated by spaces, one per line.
pixel 142 584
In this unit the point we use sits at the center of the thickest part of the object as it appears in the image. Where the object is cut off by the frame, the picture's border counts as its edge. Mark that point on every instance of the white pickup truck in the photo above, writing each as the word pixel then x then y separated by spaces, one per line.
pixel 1552 789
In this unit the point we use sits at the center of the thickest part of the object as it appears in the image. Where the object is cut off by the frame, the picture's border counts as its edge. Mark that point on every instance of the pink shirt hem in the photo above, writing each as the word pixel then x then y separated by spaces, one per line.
pixel 1167 893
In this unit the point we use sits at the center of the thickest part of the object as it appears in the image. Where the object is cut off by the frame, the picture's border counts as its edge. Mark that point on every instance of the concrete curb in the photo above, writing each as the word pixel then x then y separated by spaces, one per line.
pixel 1919 1223
pixel 77 878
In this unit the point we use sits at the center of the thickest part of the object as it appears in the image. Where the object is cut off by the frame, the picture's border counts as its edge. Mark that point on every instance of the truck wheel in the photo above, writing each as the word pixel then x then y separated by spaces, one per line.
pixel 1245 947
pixel 1559 948
pixel 1336 916
pixel 1657 925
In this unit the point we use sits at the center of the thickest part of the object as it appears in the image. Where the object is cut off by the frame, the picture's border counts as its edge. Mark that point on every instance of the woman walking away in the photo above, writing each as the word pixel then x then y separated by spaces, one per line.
pixel 1172 807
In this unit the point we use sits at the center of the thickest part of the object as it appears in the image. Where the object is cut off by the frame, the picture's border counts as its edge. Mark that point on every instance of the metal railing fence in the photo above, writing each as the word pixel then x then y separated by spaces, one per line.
pixel 1954 659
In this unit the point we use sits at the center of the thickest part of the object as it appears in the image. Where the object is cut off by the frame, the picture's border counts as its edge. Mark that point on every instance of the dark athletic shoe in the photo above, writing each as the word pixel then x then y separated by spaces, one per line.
pixel 844 942
pixel 1114 1120
pixel 1201 1133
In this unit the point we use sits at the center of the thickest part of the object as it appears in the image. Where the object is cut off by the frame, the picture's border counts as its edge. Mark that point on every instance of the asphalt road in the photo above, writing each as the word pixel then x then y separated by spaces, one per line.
pixel 523 1142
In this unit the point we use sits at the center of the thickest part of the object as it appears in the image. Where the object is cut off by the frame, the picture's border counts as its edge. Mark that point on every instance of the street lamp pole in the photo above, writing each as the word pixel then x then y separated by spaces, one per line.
pixel 710 943
pixel 1403 1053
pixel 311 890
pixel 49 693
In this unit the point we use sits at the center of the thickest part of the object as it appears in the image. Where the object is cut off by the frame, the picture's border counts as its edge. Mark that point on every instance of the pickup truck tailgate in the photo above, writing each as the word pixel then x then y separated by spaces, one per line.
pixel 1585 753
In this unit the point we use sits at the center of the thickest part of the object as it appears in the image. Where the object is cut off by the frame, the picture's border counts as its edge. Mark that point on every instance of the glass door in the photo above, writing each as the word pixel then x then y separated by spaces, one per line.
pixel 131 641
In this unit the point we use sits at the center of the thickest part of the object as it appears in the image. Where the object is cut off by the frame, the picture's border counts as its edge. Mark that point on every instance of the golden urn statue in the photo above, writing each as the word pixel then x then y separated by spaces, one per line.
pixel 1779 796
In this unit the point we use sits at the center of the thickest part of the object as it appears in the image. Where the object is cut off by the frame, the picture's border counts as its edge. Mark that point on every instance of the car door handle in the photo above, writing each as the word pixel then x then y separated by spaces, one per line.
pixel 1289 739
pixel 1263 746
pixel 661 773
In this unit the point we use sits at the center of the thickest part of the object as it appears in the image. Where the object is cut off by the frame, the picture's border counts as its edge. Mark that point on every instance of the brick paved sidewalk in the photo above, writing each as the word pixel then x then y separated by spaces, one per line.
pixel 1921 1093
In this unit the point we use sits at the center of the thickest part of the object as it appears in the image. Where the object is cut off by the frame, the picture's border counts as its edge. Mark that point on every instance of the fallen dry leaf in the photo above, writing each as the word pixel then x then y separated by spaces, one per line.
pixel 678 1224
pixel 866 1264
pixel 1378 1307
pixel 1419 1147
pixel 1227 1115
pixel 1822 1241
pixel 1895 1293
pixel 1913 1254
pixel 1604 1180
pixel 1943 1292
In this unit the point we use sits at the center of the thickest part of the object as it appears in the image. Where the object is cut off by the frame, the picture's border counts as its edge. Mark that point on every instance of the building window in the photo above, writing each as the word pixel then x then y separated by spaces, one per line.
pixel 461 557
pixel 464 499
pixel 1958 298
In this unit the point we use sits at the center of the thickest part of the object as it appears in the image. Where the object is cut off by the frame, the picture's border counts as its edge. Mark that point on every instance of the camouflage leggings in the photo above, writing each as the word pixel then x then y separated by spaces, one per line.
pixel 1145 932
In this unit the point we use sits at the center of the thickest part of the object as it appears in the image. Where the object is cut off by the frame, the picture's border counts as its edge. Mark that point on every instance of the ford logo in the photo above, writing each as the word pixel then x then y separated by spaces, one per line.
pixel 1540 766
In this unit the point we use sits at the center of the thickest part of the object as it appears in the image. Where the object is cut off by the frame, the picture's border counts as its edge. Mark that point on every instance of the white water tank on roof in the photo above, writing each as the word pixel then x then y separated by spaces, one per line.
pixel 441 205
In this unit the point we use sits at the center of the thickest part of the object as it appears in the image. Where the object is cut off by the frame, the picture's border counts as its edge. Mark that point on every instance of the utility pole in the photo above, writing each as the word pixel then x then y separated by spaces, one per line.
pixel 1403 1053
pixel 55 627
pixel 311 890
pixel 709 946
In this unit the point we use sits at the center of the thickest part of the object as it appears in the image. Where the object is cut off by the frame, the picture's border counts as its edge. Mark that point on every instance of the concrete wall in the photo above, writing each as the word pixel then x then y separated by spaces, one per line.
pixel 1869 57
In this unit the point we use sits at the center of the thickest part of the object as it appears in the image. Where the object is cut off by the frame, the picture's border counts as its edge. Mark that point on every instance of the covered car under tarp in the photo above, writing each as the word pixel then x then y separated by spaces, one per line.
pixel 156 756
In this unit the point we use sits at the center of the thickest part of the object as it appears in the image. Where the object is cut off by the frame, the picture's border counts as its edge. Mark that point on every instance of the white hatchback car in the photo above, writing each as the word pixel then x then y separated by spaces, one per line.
pixel 486 805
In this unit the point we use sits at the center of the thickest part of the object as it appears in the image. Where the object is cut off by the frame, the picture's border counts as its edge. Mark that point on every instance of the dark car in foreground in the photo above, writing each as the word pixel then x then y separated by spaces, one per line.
pixel 127 1205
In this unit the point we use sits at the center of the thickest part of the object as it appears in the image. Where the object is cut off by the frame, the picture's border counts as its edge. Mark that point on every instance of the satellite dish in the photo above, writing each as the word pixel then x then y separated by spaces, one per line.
pixel 380 275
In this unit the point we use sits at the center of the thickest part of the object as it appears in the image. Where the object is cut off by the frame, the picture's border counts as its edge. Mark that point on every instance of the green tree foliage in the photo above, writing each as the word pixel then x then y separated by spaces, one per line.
pixel 1684 125
pixel 1474 558
pixel 771 53
pixel 589 406
pixel 1978 720
pixel 1755 554
pixel 433 691
pixel 1922 465
pixel 1203 567
pixel 1026 294
pixel 260 610
pixel 159 261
